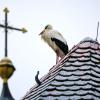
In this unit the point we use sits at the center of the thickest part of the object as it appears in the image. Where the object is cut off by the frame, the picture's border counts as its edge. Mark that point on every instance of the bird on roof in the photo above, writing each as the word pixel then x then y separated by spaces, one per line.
pixel 55 40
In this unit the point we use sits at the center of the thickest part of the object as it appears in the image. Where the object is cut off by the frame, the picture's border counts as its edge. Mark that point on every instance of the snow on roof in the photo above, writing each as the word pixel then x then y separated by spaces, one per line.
pixel 77 76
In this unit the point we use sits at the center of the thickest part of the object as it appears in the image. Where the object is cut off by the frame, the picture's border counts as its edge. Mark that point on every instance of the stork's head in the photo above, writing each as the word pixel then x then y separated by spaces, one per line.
pixel 47 27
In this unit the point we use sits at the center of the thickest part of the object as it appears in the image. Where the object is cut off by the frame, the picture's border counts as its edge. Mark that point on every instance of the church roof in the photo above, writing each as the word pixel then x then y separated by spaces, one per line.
pixel 77 76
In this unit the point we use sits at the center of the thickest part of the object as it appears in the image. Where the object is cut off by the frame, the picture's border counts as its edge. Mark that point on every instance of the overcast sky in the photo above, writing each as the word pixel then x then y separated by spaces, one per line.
pixel 75 19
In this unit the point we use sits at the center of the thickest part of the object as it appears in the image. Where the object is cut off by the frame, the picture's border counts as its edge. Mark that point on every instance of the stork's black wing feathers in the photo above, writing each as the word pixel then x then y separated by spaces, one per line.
pixel 61 45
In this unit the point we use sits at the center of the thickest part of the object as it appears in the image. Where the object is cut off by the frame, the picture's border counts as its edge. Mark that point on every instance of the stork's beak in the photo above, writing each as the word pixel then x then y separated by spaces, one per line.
pixel 41 33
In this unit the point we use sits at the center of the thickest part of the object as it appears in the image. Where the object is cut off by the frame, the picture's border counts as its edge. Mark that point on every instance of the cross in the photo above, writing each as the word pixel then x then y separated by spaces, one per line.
pixel 6 27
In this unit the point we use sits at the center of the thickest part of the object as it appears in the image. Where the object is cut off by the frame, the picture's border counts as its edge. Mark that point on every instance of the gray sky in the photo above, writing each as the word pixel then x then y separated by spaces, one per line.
pixel 75 19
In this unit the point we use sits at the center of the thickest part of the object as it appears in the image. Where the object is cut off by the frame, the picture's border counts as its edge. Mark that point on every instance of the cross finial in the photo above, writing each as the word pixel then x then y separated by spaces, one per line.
pixel 23 30
pixel 6 10
pixel 6 27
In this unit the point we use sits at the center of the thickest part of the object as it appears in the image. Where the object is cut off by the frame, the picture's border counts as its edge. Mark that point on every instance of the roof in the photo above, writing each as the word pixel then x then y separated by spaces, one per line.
pixel 77 76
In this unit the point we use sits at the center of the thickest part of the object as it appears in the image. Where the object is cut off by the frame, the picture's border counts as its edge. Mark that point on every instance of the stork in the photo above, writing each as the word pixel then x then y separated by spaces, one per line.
pixel 55 40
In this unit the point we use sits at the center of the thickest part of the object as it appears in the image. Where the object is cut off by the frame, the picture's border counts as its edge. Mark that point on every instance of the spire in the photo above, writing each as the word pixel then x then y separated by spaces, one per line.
pixel 6 93
pixel 6 71
pixel 6 67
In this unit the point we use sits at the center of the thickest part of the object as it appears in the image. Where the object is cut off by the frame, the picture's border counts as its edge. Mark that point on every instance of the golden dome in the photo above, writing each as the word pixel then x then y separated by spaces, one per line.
pixel 6 69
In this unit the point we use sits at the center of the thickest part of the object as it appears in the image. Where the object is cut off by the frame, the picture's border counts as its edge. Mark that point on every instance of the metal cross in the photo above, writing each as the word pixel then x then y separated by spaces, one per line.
pixel 6 27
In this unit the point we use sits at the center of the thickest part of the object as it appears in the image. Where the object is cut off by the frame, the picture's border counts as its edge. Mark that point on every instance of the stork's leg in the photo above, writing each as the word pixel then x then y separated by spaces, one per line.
pixel 57 59
pixel 57 56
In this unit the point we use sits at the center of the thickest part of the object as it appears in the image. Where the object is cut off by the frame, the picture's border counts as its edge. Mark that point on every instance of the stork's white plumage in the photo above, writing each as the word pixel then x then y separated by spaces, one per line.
pixel 55 40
